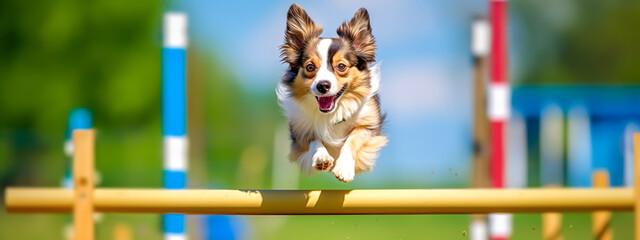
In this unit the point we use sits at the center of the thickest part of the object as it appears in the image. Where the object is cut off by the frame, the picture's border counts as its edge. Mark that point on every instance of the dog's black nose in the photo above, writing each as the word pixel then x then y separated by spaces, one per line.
pixel 323 86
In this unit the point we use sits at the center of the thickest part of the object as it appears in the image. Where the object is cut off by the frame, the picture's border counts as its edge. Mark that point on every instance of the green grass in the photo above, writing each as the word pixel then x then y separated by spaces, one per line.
pixel 146 226
pixel 526 226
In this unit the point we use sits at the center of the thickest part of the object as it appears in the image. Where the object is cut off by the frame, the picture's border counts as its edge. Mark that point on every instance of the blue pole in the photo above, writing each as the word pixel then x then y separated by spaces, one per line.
pixel 174 116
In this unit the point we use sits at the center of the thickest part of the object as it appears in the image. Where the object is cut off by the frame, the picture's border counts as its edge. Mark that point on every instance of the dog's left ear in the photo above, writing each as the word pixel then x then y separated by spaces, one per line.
pixel 358 32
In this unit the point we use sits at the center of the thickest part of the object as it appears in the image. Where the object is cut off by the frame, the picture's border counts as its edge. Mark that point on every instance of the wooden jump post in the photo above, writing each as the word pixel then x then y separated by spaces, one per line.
pixel 480 42
pixel 83 199
pixel 636 182
pixel 83 169
pixel 601 220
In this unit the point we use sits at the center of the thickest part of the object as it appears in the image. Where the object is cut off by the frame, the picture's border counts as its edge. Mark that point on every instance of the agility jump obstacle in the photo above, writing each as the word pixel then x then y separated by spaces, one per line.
pixel 83 200
pixel 325 202
pixel 498 111
pixel 174 200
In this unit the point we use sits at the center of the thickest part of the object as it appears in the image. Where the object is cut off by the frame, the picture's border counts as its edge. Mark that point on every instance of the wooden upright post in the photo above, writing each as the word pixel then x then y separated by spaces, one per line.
pixel 601 220
pixel 552 226
pixel 480 170
pixel 480 173
pixel 83 169
pixel 636 182
pixel 122 232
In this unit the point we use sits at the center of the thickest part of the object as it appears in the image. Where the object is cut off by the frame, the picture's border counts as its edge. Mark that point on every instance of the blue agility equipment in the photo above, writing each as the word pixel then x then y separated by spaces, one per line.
pixel 174 116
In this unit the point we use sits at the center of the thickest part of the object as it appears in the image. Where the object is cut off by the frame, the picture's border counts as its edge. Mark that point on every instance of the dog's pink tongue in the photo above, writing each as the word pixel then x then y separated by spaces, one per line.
pixel 325 102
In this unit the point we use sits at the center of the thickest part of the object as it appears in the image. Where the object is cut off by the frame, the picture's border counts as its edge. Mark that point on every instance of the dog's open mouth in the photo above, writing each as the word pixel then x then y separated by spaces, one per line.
pixel 328 103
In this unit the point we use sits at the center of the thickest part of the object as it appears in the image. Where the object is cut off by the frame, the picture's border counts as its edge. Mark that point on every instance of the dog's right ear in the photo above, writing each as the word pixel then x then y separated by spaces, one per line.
pixel 358 32
pixel 300 29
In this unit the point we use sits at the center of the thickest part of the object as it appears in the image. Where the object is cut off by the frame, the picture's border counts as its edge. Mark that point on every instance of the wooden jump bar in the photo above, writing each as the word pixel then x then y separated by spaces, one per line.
pixel 330 202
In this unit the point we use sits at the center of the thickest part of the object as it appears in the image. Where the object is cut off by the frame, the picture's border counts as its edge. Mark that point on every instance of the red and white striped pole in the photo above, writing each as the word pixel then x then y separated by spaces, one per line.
pixel 499 106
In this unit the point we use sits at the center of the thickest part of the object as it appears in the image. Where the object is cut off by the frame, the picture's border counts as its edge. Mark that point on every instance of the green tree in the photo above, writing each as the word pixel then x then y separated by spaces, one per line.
pixel 579 42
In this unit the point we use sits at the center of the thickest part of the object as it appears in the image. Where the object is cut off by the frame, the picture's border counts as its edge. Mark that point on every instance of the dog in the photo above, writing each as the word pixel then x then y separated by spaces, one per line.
pixel 329 94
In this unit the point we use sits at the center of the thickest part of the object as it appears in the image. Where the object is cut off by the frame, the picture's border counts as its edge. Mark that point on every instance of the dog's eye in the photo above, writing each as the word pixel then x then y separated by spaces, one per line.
pixel 341 67
pixel 310 67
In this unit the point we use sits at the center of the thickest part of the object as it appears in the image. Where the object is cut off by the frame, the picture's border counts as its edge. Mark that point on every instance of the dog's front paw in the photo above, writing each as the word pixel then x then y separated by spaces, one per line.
pixel 344 171
pixel 322 160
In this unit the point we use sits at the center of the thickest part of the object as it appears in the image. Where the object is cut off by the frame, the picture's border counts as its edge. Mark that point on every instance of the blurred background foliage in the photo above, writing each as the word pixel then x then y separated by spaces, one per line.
pixel 61 55
pixel 105 55
pixel 577 42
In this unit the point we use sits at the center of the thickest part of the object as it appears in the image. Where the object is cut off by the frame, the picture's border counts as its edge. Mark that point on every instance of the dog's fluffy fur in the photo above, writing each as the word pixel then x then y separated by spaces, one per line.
pixel 337 127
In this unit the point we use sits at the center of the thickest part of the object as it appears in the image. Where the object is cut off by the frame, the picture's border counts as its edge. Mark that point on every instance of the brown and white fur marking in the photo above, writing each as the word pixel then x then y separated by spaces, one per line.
pixel 329 94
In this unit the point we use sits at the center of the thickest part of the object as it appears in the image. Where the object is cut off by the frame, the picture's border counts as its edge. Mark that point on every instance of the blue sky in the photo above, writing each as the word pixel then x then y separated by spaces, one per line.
pixel 426 69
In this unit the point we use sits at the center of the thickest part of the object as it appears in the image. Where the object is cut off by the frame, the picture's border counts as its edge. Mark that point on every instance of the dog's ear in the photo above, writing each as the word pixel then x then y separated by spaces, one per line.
pixel 358 32
pixel 300 29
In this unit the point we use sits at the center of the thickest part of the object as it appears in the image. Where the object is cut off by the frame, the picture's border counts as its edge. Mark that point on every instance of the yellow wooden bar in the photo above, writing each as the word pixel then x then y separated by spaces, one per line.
pixel 636 182
pixel 601 220
pixel 294 202
pixel 83 168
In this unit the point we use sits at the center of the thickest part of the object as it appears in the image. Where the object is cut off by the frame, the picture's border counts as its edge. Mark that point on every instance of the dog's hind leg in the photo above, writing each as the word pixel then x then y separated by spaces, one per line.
pixel 365 152
pixel 358 154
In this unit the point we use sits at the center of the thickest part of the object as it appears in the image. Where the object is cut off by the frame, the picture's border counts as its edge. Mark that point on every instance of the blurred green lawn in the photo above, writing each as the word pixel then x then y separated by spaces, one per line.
pixel 526 226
